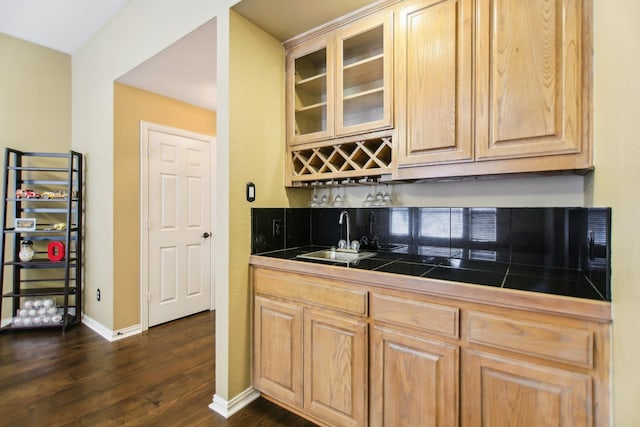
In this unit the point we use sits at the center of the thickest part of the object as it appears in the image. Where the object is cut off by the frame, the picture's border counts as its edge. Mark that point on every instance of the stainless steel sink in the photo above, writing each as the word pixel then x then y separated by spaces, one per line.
pixel 337 256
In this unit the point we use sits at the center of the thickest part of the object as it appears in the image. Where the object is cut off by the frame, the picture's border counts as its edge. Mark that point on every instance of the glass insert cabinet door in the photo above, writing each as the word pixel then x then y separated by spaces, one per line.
pixel 339 83
pixel 363 87
pixel 310 68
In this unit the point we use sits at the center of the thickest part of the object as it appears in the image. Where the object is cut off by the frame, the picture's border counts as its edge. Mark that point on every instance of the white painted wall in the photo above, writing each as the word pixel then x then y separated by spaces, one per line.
pixel 140 30
pixel 521 191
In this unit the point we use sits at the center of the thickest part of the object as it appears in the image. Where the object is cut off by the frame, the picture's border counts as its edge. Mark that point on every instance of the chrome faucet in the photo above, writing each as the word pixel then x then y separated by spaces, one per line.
pixel 347 245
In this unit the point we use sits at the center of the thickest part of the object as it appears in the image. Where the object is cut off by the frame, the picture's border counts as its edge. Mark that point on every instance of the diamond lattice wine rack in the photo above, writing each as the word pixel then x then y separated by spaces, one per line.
pixel 352 159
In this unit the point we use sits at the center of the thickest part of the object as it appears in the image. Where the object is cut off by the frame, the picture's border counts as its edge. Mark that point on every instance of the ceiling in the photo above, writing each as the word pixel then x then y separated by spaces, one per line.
pixel 63 25
pixel 284 19
pixel 186 70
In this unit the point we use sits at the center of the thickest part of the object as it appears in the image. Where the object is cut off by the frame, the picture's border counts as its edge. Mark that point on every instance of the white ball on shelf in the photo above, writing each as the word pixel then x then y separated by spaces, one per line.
pixel 42 311
pixel 49 302
pixel 32 312
pixel 51 311
pixel 56 319
pixel 18 321
pixel 28 304
pixel 37 303
pixel 37 320
pixel 27 321
pixel 46 320
pixel 23 312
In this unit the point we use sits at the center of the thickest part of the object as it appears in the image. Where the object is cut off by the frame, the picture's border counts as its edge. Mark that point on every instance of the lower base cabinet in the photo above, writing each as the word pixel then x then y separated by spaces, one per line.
pixel 500 391
pixel 351 354
pixel 335 371
pixel 277 366
pixel 324 361
pixel 414 381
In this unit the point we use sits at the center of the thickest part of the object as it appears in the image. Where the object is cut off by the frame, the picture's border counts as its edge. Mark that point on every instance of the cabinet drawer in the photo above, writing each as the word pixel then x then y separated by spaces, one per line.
pixel 307 289
pixel 560 343
pixel 436 318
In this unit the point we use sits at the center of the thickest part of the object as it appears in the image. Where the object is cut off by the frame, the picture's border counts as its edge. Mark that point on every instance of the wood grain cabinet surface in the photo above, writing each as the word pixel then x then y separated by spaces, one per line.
pixel 364 50
pixel 420 358
pixel 492 87
pixel 339 99
pixel 551 341
pixel 277 361
pixel 529 78
pixel 336 369
pixel 419 89
pixel 433 63
pixel 311 347
pixel 339 82
pixel 414 381
pixel 499 391
pixel 310 90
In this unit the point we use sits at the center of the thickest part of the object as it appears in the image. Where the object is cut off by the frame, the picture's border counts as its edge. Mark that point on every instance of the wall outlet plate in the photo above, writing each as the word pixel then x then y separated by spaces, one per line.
pixel 277 227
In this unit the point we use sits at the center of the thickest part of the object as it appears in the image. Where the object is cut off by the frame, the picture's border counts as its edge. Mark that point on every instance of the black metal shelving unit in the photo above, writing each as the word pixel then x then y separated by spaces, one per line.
pixel 58 218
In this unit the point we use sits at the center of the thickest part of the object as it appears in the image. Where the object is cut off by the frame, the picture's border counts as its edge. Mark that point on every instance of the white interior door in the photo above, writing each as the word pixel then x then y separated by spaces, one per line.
pixel 179 224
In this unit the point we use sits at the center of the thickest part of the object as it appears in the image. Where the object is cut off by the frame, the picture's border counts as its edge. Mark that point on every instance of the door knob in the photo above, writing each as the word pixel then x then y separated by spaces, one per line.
pixel 206 235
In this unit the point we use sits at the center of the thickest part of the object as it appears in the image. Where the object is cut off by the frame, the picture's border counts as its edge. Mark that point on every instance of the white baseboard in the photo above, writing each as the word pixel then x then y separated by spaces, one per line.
pixel 228 408
pixel 107 333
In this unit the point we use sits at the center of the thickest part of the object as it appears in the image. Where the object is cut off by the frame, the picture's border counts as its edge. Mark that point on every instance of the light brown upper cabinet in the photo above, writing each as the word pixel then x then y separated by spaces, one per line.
pixel 492 87
pixel 310 80
pixel 363 89
pixel 339 82
pixel 528 78
pixel 433 81
pixel 442 88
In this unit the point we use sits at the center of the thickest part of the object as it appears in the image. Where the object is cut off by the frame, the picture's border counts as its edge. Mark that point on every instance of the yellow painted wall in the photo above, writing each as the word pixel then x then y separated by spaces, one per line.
pixel 256 136
pixel 35 101
pixel 35 96
pixel 616 183
pixel 127 40
pixel 131 106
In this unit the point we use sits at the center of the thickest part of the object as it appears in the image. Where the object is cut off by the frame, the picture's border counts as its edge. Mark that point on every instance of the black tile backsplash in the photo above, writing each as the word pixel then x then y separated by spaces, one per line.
pixel 544 236
pixel 265 234
pixel 564 245
pixel 297 227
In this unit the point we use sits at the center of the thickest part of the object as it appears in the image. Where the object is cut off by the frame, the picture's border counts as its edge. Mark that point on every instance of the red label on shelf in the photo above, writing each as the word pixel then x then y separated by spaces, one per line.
pixel 56 251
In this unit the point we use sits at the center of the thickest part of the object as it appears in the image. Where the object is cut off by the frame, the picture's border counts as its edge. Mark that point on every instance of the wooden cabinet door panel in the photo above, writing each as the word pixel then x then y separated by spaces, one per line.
pixel 310 91
pixel 278 350
pixel 433 81
pixel 503 392
pixel 414 381
pixel 528 79
pixel 364 72
pixel 335 372
pixel 550 341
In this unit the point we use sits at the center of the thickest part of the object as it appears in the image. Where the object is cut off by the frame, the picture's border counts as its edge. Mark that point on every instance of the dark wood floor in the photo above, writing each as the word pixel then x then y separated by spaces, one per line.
pixel 163 377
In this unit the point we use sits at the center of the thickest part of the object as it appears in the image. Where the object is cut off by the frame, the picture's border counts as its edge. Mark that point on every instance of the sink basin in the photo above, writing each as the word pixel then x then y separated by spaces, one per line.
pixel 337 256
